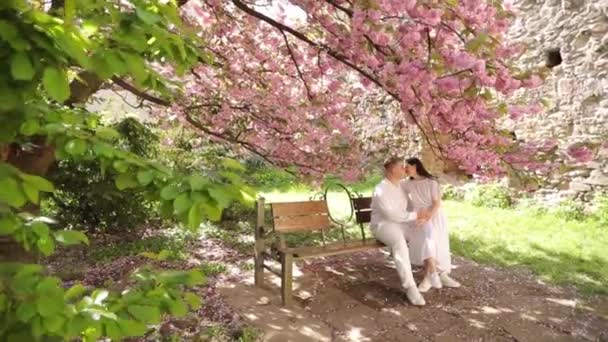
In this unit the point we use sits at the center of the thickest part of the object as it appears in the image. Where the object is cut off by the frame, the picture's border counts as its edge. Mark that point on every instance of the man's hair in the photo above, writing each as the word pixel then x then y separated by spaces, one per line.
pixel 392 161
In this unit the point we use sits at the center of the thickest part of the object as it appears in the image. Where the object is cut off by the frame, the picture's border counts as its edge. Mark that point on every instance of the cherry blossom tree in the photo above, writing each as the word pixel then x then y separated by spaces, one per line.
pixel 288 90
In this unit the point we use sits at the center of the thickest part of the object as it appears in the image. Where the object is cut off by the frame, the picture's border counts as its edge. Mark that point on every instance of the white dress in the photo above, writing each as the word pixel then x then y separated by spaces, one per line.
pixel 431 239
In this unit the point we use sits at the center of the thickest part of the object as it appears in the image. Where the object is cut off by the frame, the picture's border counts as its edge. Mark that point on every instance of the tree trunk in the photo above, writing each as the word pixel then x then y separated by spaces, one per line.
pixel 39 158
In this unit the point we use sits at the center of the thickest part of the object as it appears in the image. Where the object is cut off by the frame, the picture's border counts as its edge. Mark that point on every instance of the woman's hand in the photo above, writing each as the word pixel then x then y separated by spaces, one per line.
pixel 424 215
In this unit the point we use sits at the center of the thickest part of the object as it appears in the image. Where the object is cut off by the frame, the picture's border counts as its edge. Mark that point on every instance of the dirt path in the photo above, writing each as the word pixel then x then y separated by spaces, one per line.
pixel 357 298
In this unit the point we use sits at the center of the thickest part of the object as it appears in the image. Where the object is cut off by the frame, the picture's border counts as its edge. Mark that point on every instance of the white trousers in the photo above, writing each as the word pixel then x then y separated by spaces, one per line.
pixel 393 235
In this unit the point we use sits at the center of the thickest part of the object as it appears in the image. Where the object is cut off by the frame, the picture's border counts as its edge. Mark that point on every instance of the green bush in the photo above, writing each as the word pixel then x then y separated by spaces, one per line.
pixel 450 192
pixel 601 207
pixel 532 206
pixel 489 196
pixel 86 199
pixel 262 176
pixel 570 210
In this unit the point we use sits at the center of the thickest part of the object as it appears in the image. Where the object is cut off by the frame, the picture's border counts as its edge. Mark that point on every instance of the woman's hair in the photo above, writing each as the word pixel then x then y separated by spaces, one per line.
pixel 420 170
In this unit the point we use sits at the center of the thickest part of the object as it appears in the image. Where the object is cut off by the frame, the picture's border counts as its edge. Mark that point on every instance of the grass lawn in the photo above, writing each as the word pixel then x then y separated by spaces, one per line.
pixel 559 251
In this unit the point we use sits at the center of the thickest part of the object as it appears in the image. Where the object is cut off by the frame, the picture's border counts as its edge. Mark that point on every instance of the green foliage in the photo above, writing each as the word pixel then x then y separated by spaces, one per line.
pixel 532 206
pixel 170 244
pixel 43 53
pixel 601 208
pixel 86 198
pixel 570 210
pixel 211 269
pixel 37 307
pixel 489 196
pixel 265 177
pixel 450 192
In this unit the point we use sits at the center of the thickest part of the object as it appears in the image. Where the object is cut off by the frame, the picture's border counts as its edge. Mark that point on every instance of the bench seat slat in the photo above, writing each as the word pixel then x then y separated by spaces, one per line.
pixel 298 208
pixel 332 249
pixel 286 224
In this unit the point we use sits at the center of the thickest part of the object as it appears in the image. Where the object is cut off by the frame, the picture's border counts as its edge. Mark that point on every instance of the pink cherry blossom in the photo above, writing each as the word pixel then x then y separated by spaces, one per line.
pixel 292 92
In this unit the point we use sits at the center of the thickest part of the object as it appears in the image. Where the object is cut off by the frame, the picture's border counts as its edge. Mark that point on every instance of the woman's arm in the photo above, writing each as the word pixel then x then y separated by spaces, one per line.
pixel 436 197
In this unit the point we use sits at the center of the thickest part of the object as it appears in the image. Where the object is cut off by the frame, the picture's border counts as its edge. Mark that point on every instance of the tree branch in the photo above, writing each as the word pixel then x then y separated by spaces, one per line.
pixel 293 58
pixel 126 86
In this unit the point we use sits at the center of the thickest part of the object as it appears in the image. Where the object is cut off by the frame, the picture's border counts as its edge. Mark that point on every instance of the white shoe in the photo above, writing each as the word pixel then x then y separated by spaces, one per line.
pixel 414 296
pixel 435 281
pixel 425 284
pixel 447 281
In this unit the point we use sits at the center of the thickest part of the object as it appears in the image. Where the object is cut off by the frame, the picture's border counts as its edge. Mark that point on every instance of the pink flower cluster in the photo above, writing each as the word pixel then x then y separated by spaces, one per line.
pixel 290 92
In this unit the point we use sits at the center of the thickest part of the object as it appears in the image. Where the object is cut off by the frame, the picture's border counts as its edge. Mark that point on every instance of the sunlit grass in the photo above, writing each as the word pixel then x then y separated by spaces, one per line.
pixel 559 251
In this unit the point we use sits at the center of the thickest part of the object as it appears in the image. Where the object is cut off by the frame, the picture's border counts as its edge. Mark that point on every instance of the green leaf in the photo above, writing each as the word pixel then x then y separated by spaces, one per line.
pixel 132 328
pixel 212 212
pixel 126 181
pixel 232 164
pixel 48 285
pixel 112 330
pixel 193 300
pixel 121 166
pixel 21 67
pixel 76 147
pixel 11 193
pixel 77 325
pixel 53 323
pixel 169 192
pixel 194 217
pixel 74 292
pixel 220 194
pixel 38 182
pixel 30 127
pixel 145 313
pixel 31 192
pixel 178 308
pixel 107 133
pixel 99 296
pixel 56 84
pixel 8 225
pixel 146 16
pixel 103 149
pixel 40 228
pixel 26 310
pixel 136 66
pixel 166 209
pixel 49 305
pixel 182 203
pixel 37 328
pixel 197 182
pixel 96 313
pixel 145 177
pixel 46 245
pixel 69 8
pixel 71 237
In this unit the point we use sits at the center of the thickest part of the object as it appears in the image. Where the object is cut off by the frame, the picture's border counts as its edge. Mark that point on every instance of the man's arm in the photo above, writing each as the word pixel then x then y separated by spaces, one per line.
pixel 390 211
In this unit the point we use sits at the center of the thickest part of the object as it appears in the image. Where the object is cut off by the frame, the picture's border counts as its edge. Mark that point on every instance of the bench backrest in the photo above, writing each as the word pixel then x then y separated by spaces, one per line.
pixel 363 209
pixel 300 216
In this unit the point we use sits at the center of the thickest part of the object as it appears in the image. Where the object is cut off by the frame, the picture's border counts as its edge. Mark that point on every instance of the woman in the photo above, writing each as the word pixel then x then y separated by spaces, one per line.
pixel 429 241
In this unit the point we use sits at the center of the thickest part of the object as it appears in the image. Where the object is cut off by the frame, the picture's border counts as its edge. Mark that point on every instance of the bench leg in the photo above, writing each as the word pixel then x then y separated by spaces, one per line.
pixel 258 261
pixel 286 278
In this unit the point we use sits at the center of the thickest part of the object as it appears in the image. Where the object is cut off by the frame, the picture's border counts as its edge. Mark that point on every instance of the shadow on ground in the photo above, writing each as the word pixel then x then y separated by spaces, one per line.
pixel 357 298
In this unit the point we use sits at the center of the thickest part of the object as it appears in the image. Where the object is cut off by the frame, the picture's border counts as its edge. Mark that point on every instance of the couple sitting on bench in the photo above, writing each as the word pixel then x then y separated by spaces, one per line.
pixel 423 226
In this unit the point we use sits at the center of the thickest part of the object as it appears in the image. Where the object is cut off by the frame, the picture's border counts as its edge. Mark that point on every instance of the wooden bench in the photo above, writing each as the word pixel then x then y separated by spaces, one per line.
pixel 307 216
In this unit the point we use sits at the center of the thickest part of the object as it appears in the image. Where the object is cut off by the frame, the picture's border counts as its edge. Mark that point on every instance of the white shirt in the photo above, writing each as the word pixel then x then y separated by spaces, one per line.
pixel 389 203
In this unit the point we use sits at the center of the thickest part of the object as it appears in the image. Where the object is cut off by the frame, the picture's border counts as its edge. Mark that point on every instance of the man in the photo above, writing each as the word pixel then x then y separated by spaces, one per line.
pixel 390 220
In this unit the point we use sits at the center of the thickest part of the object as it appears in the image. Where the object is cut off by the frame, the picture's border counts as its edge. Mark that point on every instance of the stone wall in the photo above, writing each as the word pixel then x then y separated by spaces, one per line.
pixel 577 89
